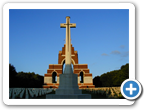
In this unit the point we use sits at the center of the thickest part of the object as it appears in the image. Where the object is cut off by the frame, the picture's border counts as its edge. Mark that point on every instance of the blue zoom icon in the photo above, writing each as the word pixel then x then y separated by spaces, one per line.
pixel 130 89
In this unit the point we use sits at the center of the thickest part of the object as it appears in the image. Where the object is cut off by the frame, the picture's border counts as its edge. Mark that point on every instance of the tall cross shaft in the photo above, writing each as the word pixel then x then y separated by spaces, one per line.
pixel 68 25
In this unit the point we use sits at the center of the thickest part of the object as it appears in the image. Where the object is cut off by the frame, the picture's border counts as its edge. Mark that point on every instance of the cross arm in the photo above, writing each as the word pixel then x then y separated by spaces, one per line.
pixel 73 25
pixel 62 25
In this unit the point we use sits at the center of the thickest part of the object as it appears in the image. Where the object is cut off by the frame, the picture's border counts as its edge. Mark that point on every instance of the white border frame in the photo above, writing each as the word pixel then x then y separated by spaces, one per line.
pixel 8 6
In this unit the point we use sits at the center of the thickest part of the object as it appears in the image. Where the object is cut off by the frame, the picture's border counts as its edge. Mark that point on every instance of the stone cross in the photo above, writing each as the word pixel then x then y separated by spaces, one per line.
pixel 68 25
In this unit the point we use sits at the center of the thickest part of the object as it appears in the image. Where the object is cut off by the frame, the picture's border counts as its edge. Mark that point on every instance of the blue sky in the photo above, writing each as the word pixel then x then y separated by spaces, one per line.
pixel 101 38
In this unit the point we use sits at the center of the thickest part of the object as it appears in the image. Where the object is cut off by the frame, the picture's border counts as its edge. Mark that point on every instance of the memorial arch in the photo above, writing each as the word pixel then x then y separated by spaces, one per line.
pixel 81 77
pixel 63 63
pixel 54 77
pixel 84 77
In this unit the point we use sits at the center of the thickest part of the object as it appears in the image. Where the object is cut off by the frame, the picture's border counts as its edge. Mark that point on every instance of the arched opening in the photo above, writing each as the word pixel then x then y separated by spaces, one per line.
pixel 72 61
pixel 72 66
pixel 54 77
pixel 63 66
pixel 81 77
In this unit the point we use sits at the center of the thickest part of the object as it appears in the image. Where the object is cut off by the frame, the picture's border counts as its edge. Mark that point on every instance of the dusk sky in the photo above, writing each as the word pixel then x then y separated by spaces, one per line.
pixel 101 38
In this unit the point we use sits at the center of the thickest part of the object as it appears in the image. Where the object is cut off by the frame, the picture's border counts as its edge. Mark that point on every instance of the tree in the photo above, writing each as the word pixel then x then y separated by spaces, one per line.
pixel 24 79
pixel 97 82
pixel 12 71
pixel 29 80
pixel 12 76
pixel 112 78
pixel 103 79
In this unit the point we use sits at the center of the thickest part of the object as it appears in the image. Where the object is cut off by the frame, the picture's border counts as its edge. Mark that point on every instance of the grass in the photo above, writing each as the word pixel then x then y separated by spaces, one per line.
pixel 38 97
pixel 93 95
pixel 101 95
pixel 98 95
pixel 43 96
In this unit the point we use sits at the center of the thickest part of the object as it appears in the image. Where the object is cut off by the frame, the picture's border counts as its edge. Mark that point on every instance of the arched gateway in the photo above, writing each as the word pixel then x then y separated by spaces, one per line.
pixel 84 77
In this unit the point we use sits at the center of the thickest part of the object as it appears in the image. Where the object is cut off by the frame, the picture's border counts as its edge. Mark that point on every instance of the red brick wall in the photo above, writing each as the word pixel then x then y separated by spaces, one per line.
pixel 60 57
pixel 72 50
pixel 79 66
pixel 57 71
pixel 50 66
pixel 88 74
pixel 57 66
pixel 48 75
pixel 79 70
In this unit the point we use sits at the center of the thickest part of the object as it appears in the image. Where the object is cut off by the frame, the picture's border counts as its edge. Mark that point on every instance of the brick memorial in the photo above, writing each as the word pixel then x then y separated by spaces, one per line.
pixel 84 77
pixel 68 81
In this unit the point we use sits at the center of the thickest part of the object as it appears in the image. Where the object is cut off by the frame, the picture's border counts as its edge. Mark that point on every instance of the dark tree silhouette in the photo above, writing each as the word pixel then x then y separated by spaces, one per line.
pixel 24 79
pixel 112 78
pixel 12 76
pixel 97 82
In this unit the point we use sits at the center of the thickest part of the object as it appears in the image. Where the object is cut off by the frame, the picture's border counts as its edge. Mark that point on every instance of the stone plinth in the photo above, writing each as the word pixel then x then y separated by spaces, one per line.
pixel 68 88
pixel 68 82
